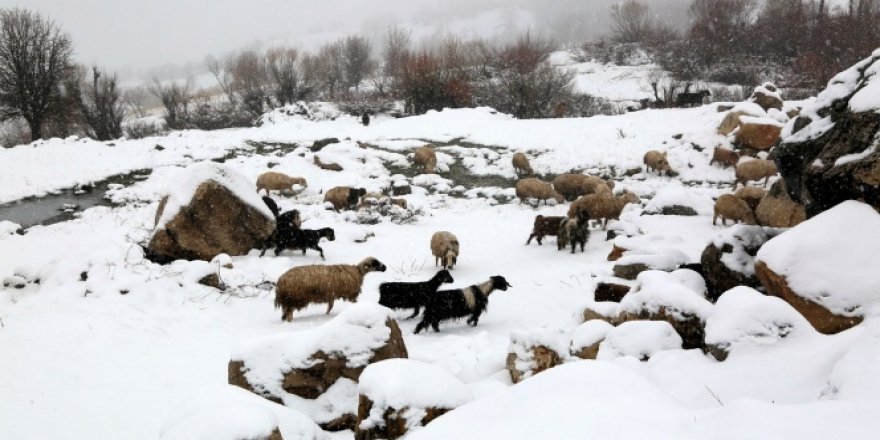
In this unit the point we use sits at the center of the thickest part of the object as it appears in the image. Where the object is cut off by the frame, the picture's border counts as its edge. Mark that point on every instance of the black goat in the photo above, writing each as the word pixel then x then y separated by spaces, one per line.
pixel 285 225
pixel 469 302
pixel 576 230
pixel 300 239
pixel 690 99
pixel 411 295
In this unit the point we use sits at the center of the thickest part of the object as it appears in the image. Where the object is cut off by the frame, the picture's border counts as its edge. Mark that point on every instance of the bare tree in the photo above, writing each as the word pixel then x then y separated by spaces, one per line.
pixel 357 62
pixel 175 98
pixel 135 101
pixel 221 75
pixel 630 21
pixel 100 104
pixel 285 76
pixel 395 50
pixel 249 81
pixel 34 58
pixel 328 66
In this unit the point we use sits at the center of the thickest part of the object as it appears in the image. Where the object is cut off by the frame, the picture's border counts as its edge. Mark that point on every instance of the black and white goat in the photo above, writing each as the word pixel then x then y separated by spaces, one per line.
pixel 470 302
pixel 400 295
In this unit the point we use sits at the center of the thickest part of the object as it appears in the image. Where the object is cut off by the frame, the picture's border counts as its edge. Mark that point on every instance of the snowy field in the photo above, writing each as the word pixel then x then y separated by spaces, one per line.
pixel 110 345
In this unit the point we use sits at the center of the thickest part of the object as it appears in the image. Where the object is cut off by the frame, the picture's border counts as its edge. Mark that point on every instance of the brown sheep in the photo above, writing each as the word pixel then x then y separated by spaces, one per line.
pixel 572 186
pixel 521 164
pixel 445 249
pixel 655 160
pixel 343 197
pixel 731 207
pixel 602 206
pixel 544 226
pixel 319 284
pixel 751 195
pixel 274 181
pixel 724 157
pixel 327 166
pixel 777 209
pixel 532 188
pixel 755 170
pixel 425 159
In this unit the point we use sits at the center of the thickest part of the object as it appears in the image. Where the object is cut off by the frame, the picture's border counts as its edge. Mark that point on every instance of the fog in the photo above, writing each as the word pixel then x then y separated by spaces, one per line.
pixel 130 35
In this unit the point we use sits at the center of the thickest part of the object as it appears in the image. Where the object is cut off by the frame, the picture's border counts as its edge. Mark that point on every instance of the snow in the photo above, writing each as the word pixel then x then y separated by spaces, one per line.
pixel 868 97
pixel 678 195
pixel 409 385
pixel 842 273
pixel 231 413
pixel 742 239
pixel 639 339
pixel 182 187
pixel 855 157
pixel 744 319
pixel 589 333
pixel 7 227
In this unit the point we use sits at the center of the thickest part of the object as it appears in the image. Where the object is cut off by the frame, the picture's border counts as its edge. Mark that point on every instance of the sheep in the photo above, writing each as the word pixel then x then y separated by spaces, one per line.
pixel 602 206
pixel 657 161
pixel 729 206
pixel 327 166
pixel 343 197
pixel 425 159
pixel 755 170
pixel 724 157
pixel 318 284
pixel 521 164
pixel 412 295
pixel 544 226
pixel 273 181
pixel 574 231
pixel 445 249
pixel 572 186
pixel 537 189
pixel 300 239
pixel 751 195
pixel 471 301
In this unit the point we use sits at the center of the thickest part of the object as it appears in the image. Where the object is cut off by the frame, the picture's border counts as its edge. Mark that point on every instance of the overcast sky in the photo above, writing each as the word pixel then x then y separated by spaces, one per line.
pixel 146 33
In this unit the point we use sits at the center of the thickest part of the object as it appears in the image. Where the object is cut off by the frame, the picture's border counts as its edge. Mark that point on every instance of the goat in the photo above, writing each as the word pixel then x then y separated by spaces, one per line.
pixel 690 99
pixel 400 295
pixel 469 302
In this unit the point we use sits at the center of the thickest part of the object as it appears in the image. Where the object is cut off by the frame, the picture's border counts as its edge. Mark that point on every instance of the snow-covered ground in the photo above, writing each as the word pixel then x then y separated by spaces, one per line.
pixel 102 343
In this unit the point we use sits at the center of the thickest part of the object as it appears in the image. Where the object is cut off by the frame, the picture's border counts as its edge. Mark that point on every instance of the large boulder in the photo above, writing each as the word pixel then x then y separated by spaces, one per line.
pixel 209 209
pixel 677 298
pixel 778 210
pixel 587 337
pixel 757 133
pixel 729 259
pixel 829 153
pixel 299 368
pixel 767 96
pixel 826 267
pixel 398 396
pixel 732 119
pixel 533 352
pixel 745 320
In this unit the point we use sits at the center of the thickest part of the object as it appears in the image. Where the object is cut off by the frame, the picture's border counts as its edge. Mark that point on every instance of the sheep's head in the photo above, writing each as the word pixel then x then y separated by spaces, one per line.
pixel 360 192
pixel 450 259
pixel 498 282
pixel 558 197
pixel 329 234
pixel 371 264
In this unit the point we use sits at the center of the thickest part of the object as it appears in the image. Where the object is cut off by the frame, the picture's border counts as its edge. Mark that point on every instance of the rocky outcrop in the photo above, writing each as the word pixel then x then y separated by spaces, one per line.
pixel 213 211
pixel 729 260
pixel 778 210
pixel 612 292
pixel 767 96
pixel 586 339
pixel 829 153
pixel 532 353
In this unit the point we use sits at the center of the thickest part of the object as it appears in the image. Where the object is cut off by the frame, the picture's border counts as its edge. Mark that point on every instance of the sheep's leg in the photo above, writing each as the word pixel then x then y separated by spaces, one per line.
pixel 436 326
pixel 263 251
pixel 416 313
pixel 767 179
pixel 420 326
pixel 330 305
pixel 604 224
pixel 530 239
pixel 317 248
pixel 287 314
pixel 714 219
pixel 723 220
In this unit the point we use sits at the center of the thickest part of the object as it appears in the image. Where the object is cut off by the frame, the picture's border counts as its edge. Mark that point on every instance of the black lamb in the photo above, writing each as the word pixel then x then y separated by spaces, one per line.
pixel 471 302
pixel 400 295
pixel 300 239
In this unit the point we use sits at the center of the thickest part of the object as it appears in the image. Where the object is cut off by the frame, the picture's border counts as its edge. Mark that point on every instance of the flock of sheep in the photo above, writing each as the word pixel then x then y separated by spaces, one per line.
pixel 592 200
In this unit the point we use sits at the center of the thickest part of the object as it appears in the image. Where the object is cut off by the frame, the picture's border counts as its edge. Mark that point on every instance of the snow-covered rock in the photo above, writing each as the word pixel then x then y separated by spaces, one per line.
pixel 8 228
pixel 209 209
pixel 533 352
pixel 837 285
pixel 587 337
pixel 295 367
pixel 671 297
pixel 399 396
pixel 675 199
pixel 729 259
pixel 745 319
pixel 639 339
pixel 230 413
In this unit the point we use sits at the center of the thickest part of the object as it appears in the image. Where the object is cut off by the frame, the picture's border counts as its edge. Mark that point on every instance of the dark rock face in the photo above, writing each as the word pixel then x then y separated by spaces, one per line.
pixel 808 164
pixel 610 292
pixel 321 143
